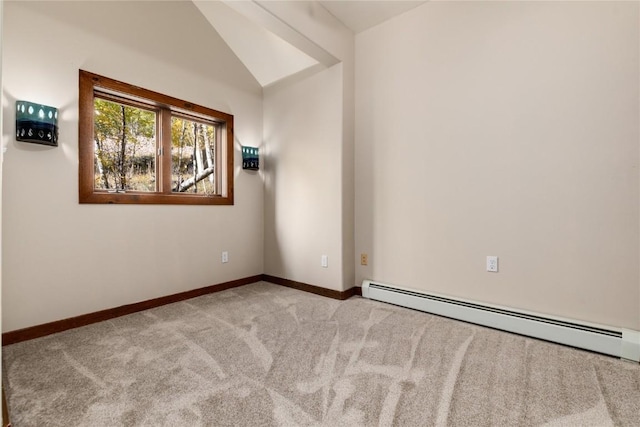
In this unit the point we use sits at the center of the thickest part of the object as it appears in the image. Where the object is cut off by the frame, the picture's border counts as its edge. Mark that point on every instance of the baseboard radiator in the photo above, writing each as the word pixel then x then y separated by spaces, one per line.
pixel 623 343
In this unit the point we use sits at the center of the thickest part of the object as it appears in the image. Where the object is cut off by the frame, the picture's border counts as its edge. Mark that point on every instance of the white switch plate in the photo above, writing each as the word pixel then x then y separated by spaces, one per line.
pixel 492 264
pixel 325 261
pixel 225 257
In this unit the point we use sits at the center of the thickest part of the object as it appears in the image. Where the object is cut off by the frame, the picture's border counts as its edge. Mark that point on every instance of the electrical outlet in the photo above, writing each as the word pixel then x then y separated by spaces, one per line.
pixel 225 257
pixel 324 262
pixel 364 259
pixel 492 264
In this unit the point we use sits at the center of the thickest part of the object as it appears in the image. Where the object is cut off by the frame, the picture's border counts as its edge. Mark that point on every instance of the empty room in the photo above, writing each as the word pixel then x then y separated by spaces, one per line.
pixel 320 213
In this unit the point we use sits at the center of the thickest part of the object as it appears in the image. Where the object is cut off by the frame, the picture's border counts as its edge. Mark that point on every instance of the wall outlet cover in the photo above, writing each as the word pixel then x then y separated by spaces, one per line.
pixel 492 264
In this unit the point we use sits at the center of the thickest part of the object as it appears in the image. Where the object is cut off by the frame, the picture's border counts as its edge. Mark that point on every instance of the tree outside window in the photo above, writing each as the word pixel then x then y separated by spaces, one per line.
pixel 138 146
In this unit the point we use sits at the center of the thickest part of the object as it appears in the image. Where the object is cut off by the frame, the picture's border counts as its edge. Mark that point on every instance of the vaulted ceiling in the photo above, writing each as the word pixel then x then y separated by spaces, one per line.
pixel 271 57
pixel 360 15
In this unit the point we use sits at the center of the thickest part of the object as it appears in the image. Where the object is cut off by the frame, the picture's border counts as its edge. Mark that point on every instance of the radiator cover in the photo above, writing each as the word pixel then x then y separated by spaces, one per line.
pixel 617 342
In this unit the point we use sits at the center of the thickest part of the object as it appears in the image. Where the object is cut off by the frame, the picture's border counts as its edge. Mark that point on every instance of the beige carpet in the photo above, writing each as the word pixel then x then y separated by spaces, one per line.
pixel 264 355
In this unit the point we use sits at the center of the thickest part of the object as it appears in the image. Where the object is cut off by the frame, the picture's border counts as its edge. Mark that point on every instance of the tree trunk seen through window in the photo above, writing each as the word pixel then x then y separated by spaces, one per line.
pixel 192 145
pixel 125 147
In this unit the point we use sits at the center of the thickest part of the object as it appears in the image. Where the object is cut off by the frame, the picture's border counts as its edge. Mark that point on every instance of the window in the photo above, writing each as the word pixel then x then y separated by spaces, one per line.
pixel 139 146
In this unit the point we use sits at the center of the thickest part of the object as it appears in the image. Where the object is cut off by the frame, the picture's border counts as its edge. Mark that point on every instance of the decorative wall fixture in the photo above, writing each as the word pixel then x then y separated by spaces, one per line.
pixel 250 158
pixel 36 123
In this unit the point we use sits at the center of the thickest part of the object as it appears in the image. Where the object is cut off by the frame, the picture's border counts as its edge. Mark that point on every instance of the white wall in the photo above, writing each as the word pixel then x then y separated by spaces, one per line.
pixel 62 259
pixel 348 171
pixel 309 137
pixel 1 161
pixel 508 129
pixel 303 184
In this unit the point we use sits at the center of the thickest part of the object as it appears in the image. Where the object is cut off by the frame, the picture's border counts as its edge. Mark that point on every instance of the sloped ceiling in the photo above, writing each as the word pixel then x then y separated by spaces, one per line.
pixel 269 57
pixel 360 15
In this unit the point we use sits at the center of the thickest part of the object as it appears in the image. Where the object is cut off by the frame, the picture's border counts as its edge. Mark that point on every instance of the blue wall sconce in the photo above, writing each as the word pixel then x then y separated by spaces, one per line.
pixel 36 123
pixel 250 158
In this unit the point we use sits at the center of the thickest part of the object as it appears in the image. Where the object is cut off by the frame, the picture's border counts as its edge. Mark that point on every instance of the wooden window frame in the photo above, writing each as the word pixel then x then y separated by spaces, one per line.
pixel 93 85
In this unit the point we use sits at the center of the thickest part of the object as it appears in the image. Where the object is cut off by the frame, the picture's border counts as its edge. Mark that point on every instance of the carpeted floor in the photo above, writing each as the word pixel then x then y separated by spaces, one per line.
pixel 263 355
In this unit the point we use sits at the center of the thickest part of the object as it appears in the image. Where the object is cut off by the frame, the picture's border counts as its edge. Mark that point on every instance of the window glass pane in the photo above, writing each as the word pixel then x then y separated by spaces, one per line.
pixel 125 147
pixel 192 157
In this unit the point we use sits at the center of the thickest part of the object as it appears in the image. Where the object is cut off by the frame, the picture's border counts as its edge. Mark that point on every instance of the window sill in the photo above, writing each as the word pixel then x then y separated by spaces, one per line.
pixel 154 199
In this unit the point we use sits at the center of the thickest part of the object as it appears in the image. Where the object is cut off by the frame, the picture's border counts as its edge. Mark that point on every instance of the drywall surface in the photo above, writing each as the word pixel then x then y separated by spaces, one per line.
pixel 348 171
pixel 508 129
pixel 303 186
pixel 313 29
pixel 316 23
pixel 62 259
pixel 1 161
